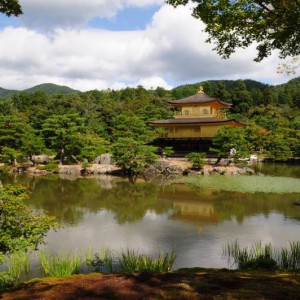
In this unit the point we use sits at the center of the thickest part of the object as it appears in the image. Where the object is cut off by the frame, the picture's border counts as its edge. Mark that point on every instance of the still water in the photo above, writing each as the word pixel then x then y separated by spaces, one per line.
pixel 195 220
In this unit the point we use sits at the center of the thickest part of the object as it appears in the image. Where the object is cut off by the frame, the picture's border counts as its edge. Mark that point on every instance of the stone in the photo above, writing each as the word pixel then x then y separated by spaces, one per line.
pixel 67 170
pixel 216 170
pixel 173 170
pixel 102 169
pixel 103 159
pixel 150 170
pixel 249 170
pixel 40 159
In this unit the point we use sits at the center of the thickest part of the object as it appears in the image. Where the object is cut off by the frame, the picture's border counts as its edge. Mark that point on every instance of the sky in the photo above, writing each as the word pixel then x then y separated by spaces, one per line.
pixel 101 44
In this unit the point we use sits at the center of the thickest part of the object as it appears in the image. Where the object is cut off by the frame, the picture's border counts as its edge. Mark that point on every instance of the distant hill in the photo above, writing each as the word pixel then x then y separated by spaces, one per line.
pixel 51 89
pixel 190 89
pixel 6 93
pixel 47 88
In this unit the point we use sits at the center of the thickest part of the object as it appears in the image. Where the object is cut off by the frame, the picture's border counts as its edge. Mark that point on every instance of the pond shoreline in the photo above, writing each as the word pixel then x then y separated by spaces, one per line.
pixel 167 167
pixel 193 283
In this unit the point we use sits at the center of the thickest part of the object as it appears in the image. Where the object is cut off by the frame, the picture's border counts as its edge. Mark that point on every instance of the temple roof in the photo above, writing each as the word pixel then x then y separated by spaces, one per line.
pixel 193 121
pixel 199 98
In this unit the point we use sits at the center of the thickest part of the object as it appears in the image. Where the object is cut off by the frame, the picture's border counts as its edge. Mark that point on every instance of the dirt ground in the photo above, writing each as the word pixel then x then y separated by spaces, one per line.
pixel 190 284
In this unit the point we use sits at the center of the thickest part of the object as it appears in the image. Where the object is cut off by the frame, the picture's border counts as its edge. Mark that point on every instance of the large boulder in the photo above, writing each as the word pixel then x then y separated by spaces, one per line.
pixel 40 159
pixel 69 170
pixel 105 169
pixel 103 159
pixel 173 170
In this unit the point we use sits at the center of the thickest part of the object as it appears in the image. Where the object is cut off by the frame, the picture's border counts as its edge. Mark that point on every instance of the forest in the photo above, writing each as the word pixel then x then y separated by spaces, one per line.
pixel 73 126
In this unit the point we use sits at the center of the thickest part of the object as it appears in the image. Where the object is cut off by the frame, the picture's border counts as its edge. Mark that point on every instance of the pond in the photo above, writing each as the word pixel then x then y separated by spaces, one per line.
pixel 195 218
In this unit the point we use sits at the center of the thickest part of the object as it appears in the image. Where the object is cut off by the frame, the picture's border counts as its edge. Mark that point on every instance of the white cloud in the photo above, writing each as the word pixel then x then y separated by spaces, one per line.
pixel 170 50
pixel 47 15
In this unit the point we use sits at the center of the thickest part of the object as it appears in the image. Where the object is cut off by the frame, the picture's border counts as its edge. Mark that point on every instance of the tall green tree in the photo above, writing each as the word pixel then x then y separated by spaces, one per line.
pixel 229 138
pixel 20 228
pixel 272 24
pixel 32 144
pixel 132 155
pixel 10 7
pixel 62 134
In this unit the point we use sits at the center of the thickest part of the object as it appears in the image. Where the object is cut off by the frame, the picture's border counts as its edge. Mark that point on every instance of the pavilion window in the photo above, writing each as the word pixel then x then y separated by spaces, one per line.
pixel 186 112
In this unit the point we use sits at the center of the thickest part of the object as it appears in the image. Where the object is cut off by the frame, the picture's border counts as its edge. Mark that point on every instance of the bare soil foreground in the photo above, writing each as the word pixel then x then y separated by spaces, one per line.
pixel 188 284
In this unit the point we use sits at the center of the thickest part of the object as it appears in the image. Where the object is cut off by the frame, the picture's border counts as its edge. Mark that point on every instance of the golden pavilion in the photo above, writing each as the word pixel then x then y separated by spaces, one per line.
pixel 195 123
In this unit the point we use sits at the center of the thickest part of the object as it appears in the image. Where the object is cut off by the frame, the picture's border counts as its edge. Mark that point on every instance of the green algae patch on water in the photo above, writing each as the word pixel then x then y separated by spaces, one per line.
pixel 246 184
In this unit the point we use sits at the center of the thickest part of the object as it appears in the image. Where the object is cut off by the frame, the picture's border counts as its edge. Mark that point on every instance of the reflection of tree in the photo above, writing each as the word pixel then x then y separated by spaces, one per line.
pixel 130 202
pixel 206 206
pixel 228 205
pixel 69 200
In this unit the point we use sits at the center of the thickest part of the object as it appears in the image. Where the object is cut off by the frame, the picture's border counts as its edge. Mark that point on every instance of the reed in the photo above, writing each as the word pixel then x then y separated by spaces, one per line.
pixel 290 258
pixel 60 264
pixel 18 263
pixel 132 261
pixel 103 261
pixel 263 256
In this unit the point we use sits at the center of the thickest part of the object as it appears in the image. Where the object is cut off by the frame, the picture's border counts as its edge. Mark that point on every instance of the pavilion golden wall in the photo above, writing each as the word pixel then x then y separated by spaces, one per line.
pixel 192 131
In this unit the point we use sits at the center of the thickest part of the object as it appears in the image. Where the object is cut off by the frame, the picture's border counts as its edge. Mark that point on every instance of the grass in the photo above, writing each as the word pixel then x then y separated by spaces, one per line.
pixel 59 264
pixel 103 261
pixel 260 256
pixel 18 263
pixel 131 261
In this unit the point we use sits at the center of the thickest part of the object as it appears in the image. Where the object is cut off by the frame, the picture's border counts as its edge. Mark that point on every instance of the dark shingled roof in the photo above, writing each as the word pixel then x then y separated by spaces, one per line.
pixel 199 98
pixel 192 121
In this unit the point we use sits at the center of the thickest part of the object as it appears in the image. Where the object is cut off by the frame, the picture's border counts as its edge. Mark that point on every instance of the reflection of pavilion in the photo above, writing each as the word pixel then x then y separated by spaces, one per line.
pixel 190 207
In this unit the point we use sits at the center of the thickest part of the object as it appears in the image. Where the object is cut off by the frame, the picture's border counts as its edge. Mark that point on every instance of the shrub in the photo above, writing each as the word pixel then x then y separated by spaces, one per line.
pixel 197 159
pixel 6 281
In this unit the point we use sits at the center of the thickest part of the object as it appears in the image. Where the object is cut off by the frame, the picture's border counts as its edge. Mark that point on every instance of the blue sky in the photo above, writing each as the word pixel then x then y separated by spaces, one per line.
pixel 100 44
pixel 130 18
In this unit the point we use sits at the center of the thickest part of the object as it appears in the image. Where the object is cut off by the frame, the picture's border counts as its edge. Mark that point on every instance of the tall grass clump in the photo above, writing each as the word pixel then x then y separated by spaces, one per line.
pixel 131 261
pixel 18 263
pixel 60 264
pixel 260 256
pixel 103 261
pixel 290 258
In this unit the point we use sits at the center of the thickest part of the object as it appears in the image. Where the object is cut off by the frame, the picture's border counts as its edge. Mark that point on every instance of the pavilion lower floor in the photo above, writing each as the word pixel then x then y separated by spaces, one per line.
pixel 183 146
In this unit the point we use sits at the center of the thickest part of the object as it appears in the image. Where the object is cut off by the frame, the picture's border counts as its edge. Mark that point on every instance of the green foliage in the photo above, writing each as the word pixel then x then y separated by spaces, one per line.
pixel 132 155
pixel 10 8
pixel 231 138
pixel 168 151
pixel 18 263
pixel 197 159
pixel 54 168
pixel 263 257
pixel 230 25
pixel 92 146
pixel 20 228
pixel 9 155
pixel 63 133
pixel 103 261
pixel 6 281
pixel 59 264
pixel 133 261
pixel 83 125
pixel 32 144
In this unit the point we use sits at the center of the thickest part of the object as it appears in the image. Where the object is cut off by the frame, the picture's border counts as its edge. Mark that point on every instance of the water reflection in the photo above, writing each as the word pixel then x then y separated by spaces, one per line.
pixel 115 213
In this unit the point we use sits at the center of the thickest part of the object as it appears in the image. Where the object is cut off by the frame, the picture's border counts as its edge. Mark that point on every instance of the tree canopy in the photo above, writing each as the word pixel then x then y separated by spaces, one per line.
pixel 20 228
pixel 273 24
pixel 10 7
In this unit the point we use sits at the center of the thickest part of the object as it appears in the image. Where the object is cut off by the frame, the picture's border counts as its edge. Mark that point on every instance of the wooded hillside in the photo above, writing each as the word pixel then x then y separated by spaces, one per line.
pixel 88 124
